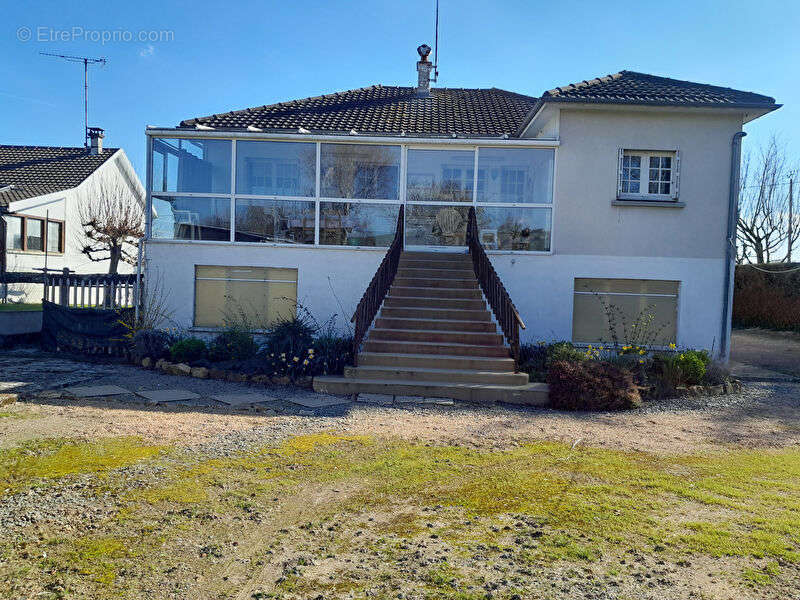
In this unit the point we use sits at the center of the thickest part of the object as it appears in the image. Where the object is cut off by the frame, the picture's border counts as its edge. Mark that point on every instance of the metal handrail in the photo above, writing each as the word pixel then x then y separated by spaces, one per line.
pixel 378 288
pixel 504 310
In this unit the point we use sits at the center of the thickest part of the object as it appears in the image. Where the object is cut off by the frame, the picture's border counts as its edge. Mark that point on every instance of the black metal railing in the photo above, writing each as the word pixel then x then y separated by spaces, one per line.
pixel 378 288
pixel 504 310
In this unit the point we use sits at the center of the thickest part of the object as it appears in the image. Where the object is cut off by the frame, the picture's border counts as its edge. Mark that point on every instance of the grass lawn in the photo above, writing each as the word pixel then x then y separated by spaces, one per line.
pixel 326 515
pixel 14 306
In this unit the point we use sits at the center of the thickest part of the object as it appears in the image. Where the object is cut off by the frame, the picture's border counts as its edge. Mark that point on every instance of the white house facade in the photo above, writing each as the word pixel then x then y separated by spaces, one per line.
pixel 614 192
pixel 41 191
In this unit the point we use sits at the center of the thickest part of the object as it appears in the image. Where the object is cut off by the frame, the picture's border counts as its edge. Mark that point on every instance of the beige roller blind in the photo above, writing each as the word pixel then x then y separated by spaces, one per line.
pixel 632 298
pixel 263 294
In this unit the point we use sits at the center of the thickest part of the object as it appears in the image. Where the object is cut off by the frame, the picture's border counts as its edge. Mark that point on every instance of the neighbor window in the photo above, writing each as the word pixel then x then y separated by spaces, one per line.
pixel 648 175
pixel 29 234
pixel 55 236
pixel 34 235
pixel 258 295
pixel 14 233
pixel 605 308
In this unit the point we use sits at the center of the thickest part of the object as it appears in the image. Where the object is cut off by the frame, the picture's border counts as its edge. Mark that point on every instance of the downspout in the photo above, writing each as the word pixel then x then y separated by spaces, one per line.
pixel 730 244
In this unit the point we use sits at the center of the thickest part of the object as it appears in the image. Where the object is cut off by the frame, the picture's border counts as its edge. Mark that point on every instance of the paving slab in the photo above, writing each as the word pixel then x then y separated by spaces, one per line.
pixel 243 399
pixel 409 399
pixel 382 399
pixel 440 401
pixel 92 391
pixel 168 395
pixel 320 401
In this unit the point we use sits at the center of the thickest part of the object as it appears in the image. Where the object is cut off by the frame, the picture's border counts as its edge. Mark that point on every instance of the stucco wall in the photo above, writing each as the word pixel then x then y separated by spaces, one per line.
pixel 584 220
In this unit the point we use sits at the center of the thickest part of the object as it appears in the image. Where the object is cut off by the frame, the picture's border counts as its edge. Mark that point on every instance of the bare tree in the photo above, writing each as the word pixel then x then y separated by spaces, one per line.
pixel 113 222
pixel 766 222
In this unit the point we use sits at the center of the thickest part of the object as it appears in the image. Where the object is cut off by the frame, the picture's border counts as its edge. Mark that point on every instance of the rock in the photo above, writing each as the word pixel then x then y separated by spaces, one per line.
pixel 715 390
pixel 49 395
pixel 261 379
pixel 199 372
pixel 216 374
pixel 235 377
pixel 727 388
pixel 305 413
pixel 147 362
pixel 697 390
pixel 179 369
pixel 165 365
pixel 304 382
pixel 6 399
pixel 284 380
pixel 682 390
pixel 160 364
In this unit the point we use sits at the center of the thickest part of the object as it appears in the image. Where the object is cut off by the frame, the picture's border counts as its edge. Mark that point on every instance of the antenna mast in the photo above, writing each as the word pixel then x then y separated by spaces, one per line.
pixel 86 60
pixel 436 45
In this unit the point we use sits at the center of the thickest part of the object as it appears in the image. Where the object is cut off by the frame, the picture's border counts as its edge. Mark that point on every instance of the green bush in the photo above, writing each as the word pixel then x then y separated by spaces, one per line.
pixel 665 374
pixel 233 344
pixel 692 367
pixel 290 337
pixel 564 352
pixel 331 354
pixel 188 350
pixel 591 385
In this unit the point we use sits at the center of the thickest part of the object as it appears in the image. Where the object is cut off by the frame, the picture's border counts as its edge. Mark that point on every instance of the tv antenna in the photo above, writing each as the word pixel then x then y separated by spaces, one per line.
pixel 86 60
pixel 436 45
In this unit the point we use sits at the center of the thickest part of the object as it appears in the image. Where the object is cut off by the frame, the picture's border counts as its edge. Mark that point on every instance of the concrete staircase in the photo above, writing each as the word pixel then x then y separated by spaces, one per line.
pixel 434 337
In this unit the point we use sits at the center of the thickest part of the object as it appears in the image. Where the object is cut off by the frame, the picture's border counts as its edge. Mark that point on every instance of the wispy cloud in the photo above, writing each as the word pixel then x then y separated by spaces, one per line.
pixel 147 51
pixel 27 99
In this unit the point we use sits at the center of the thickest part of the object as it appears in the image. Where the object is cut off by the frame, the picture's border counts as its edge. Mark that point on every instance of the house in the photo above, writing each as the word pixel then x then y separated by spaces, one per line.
pixel 42 190
pixel 615 194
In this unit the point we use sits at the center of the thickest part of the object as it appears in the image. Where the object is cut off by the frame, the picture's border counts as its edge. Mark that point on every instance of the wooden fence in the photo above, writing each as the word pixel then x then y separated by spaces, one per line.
pixel 81 290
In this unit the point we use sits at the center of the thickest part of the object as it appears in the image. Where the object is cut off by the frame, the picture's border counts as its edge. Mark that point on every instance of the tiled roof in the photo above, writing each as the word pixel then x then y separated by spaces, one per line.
pixel 630 87
pixel 30 171
pixel 387 110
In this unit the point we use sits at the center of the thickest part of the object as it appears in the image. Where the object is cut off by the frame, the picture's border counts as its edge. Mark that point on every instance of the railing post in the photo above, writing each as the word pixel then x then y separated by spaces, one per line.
pixel 63 293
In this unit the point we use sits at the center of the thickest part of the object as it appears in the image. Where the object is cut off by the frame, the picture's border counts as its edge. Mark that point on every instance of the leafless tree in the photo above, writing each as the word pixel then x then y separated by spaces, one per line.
pixel 764 226
pixel 113 222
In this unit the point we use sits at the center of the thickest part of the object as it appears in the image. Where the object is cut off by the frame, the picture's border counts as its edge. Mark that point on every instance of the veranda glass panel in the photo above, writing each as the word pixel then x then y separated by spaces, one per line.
pixel 13 233
pixel 282 221
pixel 181 165
pixel 501 228
pixel 440 175
pixel 276 168
pixel 360 171
pixel 520 175
pixel 181 218
pixel 431 225
pixel 262 295
pixel 34 234
pixel 357 224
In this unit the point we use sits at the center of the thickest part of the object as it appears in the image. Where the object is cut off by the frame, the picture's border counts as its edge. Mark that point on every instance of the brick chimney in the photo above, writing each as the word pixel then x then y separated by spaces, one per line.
pixel 96 135
pixel 424 68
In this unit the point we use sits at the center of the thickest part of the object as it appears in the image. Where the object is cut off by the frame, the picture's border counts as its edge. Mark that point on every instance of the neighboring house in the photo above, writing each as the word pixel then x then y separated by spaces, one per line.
pixel 41 189
pixel 616 190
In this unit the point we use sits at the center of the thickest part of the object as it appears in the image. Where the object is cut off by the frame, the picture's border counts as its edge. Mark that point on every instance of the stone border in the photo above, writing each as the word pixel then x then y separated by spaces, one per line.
pixel 185 370
pixel 731 386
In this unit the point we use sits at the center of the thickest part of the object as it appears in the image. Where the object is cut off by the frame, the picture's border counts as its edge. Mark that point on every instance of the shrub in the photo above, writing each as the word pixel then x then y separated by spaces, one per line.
pixel 151 343
pixel 692 367
pixel 769 300
pixel 291 337
pixel 591 385
pixel 716 374
pixel 665 374
pixel 564 352
pixel 188 350
pixel 331 354
pixel 233 344
pixel 533 360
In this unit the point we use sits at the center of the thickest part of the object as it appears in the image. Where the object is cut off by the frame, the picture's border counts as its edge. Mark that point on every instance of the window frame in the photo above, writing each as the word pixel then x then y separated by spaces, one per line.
pixel 24 218
pixel 644 194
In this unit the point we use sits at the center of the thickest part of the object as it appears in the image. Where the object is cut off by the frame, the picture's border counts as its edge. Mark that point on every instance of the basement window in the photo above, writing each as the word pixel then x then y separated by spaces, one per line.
pixel 648 175
pixel 260 296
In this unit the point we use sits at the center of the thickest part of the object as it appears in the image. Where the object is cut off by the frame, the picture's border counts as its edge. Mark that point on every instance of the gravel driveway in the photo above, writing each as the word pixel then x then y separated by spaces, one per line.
pixel 754 350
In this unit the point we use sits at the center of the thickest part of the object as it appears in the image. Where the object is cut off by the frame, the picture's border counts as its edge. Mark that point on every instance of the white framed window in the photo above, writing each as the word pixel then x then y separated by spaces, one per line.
pixel 648 175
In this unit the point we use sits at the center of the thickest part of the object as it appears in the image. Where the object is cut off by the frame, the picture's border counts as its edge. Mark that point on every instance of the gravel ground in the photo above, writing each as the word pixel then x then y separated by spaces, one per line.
pixel 772 350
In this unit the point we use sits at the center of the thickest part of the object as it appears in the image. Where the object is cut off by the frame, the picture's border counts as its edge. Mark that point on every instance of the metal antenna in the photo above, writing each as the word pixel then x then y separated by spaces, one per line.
pixel 86 61
pixel 436 45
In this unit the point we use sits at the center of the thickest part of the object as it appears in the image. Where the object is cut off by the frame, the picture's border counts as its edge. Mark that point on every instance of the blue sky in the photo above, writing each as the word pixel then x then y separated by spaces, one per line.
pixel 230 55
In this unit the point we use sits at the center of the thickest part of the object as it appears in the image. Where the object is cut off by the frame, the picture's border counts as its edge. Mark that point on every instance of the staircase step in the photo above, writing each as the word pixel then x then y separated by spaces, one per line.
pixel 433 374
pixel 432 292
pixel 435 263
pixel 532 394
pixel 435 324
pixel 435 313
pixel 436 361
pixel 470 283
pixel 441 256
pixel 431 273
pixel 447 337
pixel 416 347
pixel 447 303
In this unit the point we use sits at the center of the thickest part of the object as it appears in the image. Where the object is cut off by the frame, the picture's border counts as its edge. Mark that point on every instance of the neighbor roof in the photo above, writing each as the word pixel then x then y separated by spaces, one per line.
pixel 492 112
pixel 388 110
pixel 30 171
pixel 630 87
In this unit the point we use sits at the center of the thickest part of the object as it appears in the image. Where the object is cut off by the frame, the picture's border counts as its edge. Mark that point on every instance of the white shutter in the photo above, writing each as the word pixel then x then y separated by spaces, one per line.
pixel 620 153
pixel 676 174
